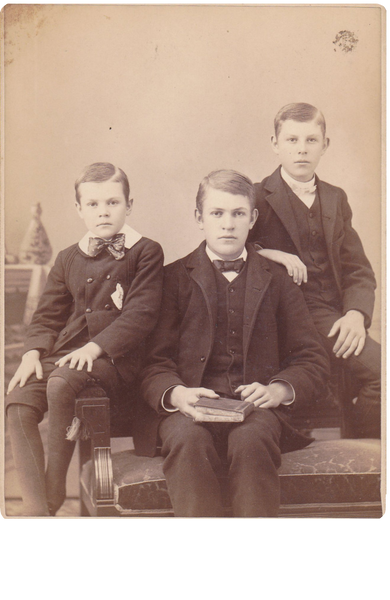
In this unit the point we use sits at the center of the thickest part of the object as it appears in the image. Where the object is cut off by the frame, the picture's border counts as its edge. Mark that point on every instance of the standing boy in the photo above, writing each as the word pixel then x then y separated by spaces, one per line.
pixel 305 225
pixel 101 300
pixel 231 324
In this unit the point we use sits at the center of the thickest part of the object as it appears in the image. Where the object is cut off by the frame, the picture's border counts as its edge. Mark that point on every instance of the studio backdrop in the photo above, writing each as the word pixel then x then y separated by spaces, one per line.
pixel 170 93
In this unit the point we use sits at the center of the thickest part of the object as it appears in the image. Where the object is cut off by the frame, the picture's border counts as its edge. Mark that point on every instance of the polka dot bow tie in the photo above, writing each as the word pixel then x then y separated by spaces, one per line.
pixel 116 246
pixel 229 265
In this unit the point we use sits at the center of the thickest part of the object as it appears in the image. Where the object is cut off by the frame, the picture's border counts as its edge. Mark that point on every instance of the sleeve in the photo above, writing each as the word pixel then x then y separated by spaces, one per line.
pixel 304 363
pixel 357 277
pixel 161 368
pixel 141 306
pixel 54 308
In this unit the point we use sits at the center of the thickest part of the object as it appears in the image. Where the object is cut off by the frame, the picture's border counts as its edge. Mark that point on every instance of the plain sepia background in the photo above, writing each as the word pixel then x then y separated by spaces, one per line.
pixel 170 93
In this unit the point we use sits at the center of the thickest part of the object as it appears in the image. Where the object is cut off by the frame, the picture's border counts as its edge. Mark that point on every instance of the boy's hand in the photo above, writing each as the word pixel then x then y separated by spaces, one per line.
pixel 352 334
pixel 295 267
pixel 265 396
pixel 78 358
pixel 30 364
pixel 184 399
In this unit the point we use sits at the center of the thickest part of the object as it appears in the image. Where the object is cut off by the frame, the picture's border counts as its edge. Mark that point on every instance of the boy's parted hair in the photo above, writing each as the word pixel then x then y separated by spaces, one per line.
pixel 226 180
pixel 299 111
pixel 102 171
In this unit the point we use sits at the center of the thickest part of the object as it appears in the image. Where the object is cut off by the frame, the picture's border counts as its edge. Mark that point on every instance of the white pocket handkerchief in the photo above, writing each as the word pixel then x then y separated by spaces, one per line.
pixel 117 296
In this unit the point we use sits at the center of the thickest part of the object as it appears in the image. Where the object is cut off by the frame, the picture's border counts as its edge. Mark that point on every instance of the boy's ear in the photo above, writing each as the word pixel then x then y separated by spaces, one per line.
pixel 129 205
pixel 255 214
pixel 78 208
pixel 274 144
pixel 326 145
pixel 199 218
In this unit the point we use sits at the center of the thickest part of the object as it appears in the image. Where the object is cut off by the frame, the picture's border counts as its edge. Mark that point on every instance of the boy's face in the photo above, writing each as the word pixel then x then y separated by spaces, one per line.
pixel 226 220
pixel 103 207
pixel 300 147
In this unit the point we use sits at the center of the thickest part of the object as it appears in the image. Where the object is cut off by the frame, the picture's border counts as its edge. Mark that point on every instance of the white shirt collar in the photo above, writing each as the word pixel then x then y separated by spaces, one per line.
pixel 212 256
pixel 131 238
pixel 294 184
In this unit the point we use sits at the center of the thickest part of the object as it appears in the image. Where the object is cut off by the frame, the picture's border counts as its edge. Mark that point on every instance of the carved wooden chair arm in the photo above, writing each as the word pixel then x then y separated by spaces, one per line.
pixel 93 412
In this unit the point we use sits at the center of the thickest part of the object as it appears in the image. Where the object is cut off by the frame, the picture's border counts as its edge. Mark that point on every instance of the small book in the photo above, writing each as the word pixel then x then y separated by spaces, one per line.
pixel 222 410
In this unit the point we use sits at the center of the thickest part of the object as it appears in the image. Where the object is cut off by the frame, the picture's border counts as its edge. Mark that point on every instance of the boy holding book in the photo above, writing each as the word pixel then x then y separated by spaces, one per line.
pixel 232 324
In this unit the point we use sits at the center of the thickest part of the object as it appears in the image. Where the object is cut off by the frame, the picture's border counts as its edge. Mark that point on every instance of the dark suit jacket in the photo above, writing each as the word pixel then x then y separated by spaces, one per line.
pixel 276 228
pixel 279 338
pixel 77 298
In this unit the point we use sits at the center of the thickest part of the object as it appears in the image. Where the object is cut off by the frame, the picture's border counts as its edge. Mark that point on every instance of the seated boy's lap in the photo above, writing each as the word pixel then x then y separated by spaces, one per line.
pixel 103 373
pixel 261 422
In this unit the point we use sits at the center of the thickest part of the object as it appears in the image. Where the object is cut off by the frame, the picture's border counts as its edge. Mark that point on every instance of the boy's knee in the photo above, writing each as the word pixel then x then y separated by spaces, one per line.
pixel 69 379
pixel 56 381
pixel 185 436
pixel 191 439
pixel 58 387
pixel 22 413
pixel 253 441
pixel 257 438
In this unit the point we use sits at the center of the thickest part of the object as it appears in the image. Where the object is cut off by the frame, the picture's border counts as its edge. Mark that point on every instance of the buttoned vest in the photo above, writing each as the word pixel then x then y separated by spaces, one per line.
pixel 224 370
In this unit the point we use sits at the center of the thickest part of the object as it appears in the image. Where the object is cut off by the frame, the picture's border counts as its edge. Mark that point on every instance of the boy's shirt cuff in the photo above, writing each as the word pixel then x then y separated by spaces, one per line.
pixel 169 409
pixel 286 402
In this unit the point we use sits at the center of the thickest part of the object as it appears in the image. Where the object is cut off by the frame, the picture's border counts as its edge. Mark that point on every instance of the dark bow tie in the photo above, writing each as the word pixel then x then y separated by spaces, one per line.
pixel 229 265
pixel 116 246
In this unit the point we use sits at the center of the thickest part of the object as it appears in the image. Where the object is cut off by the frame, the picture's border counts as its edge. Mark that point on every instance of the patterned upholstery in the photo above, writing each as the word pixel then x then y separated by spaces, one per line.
pixel 327 473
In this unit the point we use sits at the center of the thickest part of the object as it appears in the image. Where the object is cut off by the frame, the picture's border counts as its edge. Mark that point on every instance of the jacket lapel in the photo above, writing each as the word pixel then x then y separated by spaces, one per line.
pixel 257 282
pixel 202 272
pixel 328 213
pixel 282 207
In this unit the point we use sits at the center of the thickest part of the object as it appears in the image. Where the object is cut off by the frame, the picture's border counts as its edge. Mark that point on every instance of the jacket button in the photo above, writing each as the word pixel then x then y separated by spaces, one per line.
pixel 232 332
pixel 89 280
pixel 231 290
pixel 108 277
pixel 64 332
pixel 231 311
pixel 107 307
pixel 314 232
pixel 88 310
pixel 202 358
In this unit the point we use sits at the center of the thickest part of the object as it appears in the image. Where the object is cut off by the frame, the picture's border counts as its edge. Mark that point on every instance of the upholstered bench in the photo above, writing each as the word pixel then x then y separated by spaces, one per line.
pixel 329 478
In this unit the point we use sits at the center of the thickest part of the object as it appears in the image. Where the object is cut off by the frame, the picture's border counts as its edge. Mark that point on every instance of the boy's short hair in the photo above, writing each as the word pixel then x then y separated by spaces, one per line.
pixel 299 111
pixel 228 181
pixel 102 171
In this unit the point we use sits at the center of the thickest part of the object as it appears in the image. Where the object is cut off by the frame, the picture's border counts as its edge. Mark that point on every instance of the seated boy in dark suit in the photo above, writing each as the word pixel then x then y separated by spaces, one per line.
pixel 101 300
pixel 232 324
pixel 305 225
